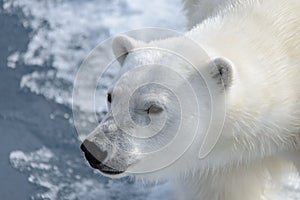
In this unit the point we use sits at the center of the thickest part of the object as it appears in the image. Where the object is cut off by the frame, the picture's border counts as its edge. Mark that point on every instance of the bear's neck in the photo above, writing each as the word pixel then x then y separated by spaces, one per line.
pixel 247 182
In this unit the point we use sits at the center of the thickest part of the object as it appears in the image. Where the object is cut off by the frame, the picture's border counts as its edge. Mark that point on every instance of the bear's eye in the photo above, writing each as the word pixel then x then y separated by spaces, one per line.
pixel 109 97
pixel 154 109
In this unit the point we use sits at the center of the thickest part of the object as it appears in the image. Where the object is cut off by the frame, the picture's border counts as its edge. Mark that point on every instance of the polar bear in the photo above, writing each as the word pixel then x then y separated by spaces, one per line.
pixel 251 61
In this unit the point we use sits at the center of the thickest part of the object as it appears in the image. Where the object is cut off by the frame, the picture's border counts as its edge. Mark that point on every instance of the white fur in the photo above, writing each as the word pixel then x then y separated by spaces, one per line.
pixel 198 10
pixel 260 141
pixel 262 40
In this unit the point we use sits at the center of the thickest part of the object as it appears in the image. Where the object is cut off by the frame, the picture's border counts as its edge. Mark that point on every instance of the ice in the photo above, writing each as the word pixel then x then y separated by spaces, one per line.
pixel 13 59
pixel 36 159
pixel 65 177
pixel 63 32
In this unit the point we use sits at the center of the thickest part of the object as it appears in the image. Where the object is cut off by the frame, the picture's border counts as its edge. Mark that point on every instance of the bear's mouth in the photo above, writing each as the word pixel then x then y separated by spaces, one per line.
pixel 96 164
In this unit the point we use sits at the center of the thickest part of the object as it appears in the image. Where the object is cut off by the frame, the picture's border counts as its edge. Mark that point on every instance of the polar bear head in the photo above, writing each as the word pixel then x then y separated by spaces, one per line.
pixel 160 108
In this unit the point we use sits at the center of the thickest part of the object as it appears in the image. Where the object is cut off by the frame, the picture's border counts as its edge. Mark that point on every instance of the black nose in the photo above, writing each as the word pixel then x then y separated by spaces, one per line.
pixel 93 153
pixel 95 156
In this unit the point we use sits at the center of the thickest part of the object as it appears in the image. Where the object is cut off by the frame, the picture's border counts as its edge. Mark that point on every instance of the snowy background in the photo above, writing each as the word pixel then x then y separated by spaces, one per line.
pixel 42 45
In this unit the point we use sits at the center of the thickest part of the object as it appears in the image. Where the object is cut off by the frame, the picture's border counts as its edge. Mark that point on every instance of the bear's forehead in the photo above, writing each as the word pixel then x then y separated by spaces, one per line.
pixel 142 57
pixel 154 57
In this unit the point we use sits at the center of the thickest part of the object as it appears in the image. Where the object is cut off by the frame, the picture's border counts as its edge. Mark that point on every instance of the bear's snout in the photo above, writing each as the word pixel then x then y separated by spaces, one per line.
pixel 95 156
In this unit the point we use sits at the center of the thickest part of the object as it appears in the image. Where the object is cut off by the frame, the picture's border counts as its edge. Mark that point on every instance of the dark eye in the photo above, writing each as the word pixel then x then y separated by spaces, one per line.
pixel 109 97
pixel 154 109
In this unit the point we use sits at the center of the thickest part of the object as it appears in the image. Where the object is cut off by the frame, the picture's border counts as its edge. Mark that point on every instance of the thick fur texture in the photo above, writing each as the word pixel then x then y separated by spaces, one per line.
pixel 198 10
pixel 260 141
pixel 262 39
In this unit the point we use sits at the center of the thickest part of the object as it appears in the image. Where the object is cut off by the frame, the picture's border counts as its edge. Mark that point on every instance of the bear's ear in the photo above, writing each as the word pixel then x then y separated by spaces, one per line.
pixel 122 45
pixel 224 73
